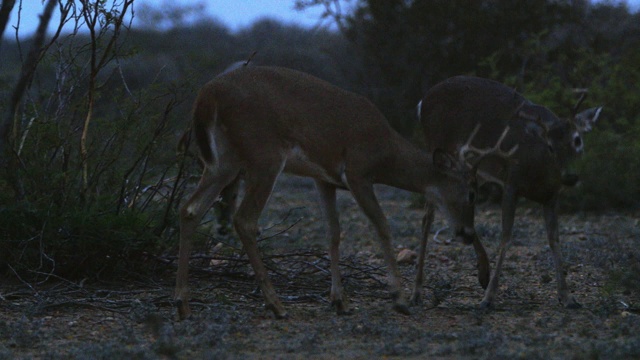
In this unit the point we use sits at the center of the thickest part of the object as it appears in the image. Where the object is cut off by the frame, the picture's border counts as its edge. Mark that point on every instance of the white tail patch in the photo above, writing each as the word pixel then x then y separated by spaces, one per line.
pixel 419 110
pixel 212 138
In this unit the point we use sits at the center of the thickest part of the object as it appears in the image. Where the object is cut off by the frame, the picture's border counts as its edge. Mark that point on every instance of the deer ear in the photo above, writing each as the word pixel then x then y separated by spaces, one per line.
pixel 585 119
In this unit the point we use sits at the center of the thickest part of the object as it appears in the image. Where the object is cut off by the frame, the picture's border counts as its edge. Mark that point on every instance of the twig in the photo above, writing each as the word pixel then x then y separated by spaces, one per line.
pixel 82 303
pixel 291 210
pixel 22 280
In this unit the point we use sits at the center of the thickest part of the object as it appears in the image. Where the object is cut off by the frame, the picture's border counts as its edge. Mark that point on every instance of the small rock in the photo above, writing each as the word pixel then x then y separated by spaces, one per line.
pixel 217 248
pixel 216 262
pixel 407 256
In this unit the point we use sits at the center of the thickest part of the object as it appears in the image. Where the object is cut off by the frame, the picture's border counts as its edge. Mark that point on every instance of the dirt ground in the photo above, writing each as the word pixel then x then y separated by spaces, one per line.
pixel 134 318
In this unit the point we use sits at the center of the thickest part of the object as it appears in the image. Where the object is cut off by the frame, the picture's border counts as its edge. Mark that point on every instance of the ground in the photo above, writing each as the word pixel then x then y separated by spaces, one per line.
pixel 134 318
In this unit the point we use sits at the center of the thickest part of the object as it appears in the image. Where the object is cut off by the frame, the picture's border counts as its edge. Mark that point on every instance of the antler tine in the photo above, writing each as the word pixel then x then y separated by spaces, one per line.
pixel 464 149
pixel 583 95
pixel 496 148
pixel 481 153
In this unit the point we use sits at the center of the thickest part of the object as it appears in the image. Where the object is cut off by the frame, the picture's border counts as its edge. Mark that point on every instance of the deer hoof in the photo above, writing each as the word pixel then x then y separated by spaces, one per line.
pixel 572 304
pixel 278 311
pixel 402 308
pixel 341 307
pixel 416 299
pixel 281 315
pixel 485 305
pixel 183 309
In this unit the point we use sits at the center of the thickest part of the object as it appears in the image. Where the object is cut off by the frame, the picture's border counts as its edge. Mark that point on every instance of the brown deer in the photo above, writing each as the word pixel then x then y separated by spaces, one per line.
pixel 454 108
pixel 257 122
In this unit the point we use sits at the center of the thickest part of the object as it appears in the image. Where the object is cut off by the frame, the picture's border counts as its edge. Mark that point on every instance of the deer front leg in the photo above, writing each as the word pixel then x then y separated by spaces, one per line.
pixel 259 185
pixel 362 191
pixel 484 267
pixel 427 220
pixel 509 200
pixel 328 203
pixel 551 222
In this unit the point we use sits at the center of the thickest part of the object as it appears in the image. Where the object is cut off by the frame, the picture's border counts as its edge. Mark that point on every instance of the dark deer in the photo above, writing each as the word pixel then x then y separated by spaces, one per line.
pixel 450 112
pixel 254 123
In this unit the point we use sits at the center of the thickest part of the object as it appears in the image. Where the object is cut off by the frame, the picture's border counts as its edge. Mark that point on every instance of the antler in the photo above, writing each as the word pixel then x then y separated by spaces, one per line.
pixel 583 95
pixel 467 148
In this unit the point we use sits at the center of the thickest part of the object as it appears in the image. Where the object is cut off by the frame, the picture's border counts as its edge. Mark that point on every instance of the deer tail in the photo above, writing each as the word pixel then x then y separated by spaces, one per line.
pixel 205 117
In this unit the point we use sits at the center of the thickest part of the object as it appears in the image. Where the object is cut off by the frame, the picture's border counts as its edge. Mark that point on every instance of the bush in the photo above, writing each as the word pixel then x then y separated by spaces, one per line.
pixel 609 171
pixel 74 242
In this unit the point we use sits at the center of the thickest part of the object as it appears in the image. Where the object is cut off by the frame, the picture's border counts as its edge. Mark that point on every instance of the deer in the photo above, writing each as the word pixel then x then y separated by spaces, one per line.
pixel 257 122
pixel 538 170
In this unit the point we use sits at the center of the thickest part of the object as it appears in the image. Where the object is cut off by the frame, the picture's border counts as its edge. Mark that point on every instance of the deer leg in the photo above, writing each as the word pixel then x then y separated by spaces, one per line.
pixel 227 205
pixel 427 220
pixel 362 191
pixel 328 202
pixel 206 193
pixel 509 200
pixel 551 222
pixel 484 267
pixel 259 185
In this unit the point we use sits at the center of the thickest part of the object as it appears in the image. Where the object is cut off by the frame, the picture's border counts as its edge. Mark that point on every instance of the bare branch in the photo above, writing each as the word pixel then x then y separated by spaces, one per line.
pixel 91 13
pixel 5 11
pixel 26 75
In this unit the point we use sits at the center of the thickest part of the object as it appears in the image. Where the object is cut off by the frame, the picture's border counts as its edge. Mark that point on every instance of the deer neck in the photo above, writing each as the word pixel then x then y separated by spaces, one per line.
pixel 407 167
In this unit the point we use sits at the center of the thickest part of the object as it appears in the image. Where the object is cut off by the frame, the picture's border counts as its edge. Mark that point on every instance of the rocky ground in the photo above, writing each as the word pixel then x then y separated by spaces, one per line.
pixel 134 319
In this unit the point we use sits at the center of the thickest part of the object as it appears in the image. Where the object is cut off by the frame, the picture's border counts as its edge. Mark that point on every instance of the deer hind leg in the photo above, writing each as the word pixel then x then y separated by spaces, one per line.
pixel 362 191
pixel 206 193
pixel 551 222
pixel 328 203
pixel 427 220
pixel 259 182
pixel 227 205
pixel 508 213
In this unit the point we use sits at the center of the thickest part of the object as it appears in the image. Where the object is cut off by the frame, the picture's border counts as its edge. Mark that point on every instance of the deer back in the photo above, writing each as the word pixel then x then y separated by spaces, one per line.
pixel 262 115
pixel 280 109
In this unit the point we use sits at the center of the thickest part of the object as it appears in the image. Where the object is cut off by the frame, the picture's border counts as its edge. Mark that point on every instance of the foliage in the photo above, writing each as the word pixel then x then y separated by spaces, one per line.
pixel 610 170
pixel 74 242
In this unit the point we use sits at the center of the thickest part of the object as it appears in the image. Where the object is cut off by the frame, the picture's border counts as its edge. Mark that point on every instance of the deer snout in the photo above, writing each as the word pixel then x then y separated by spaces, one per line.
pixel 466 234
